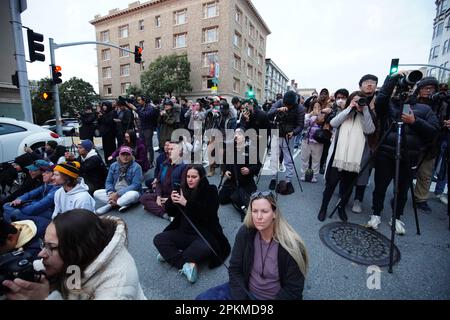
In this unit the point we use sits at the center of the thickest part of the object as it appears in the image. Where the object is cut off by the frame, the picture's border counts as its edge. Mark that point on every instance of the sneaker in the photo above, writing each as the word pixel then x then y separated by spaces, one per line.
pixel 281 167
pixel 424 207
pixel 322 170
pixel 273 184
pixel 442 198
pixel 190 271
pixel 302 178
pixel 374 222
pixel 399 227
pixel 160 258
pixel 102 210
pixel 342 214
pixel 314 180
pixel 290 188
pixel 165 216
pixel 357 207
pixel 122 209
pixel 322 215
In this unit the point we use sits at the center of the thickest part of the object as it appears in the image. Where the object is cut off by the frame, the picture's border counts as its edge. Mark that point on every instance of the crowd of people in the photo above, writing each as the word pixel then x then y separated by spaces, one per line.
pixel 61 195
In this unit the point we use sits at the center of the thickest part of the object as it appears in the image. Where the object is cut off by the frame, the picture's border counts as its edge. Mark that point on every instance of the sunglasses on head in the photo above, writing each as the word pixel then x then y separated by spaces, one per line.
pixel 261 194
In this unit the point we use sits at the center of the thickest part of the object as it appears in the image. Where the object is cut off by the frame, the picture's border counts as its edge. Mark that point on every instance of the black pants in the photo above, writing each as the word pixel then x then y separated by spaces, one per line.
pixel 384 174
pixel 323 159
pixel 178 247
pixel 333 177
pixel 238 198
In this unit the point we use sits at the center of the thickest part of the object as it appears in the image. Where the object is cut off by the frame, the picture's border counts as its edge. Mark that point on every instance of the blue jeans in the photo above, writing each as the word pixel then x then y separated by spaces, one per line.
pixel 221 292
pixel 441 170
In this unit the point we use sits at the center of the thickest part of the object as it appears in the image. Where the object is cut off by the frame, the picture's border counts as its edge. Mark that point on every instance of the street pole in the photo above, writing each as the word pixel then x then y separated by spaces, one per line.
pixel 16 21
pixel 55 90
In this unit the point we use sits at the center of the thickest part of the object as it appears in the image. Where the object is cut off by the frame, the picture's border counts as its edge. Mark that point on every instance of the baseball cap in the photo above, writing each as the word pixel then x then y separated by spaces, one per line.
pixel 39 165
pixel 125 149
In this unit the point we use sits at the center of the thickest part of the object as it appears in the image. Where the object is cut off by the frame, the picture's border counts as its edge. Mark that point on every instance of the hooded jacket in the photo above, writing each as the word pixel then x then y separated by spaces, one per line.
pixel 42 200
pixel 77 198
pixel 28 240
pixel 93 170
pixel 111 276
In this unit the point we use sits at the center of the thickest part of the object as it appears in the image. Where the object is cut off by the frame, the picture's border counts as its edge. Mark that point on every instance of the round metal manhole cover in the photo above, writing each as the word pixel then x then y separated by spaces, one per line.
pixel 358 244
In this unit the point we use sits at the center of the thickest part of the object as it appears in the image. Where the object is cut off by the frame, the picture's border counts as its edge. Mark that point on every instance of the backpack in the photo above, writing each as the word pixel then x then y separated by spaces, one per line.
pixel 281 188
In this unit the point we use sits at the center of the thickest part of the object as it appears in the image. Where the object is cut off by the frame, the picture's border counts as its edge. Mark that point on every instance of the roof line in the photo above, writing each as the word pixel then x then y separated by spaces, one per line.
pixel 253 8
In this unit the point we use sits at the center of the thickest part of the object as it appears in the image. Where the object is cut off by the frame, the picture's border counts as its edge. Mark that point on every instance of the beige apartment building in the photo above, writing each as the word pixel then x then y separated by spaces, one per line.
pixel 229 34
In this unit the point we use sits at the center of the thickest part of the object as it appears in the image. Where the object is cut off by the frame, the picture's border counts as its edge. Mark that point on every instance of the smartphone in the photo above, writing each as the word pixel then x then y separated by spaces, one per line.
pixel 177 187
pixel 407 109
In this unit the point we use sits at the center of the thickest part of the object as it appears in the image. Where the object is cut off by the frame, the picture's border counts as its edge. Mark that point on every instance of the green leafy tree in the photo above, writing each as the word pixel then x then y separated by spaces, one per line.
pixel 135 90
pixel 167 74
pixel 75 95
pixel 43 110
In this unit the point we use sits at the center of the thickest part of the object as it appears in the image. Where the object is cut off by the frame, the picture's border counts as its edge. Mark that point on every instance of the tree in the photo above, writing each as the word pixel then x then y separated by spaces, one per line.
pixel 135 91
pixel 75 95
pixel 43 110
pixel 168 74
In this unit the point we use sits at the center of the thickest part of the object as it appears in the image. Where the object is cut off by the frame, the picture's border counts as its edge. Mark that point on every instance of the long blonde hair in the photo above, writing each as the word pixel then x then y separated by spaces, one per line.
pixel 283 233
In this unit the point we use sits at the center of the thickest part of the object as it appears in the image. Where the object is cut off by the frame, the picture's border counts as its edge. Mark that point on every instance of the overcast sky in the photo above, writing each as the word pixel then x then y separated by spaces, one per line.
pixel 319 43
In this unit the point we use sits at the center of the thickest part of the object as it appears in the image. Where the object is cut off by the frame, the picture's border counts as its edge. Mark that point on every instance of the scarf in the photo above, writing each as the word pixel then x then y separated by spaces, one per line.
pixel 123 168
pixel 350 144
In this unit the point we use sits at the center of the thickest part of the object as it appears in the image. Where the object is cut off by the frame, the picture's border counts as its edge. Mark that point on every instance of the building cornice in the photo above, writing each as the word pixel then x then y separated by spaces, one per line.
pixel 252 7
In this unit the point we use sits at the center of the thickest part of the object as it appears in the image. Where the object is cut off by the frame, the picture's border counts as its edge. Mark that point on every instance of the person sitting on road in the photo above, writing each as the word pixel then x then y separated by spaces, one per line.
pixel 19 235
pixel 269 260
pixel 196 203
pixel 123 185
pixel 38 204
pixel 151 183
pixel 74 193
pixel 97 247
pixel 138 147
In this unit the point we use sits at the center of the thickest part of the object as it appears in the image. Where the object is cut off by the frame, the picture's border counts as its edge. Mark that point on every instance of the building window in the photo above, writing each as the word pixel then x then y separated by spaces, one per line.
pixel 259 77
pixel 207 83
pixel 123 53
pixel 141 25
pixel 261 42
pixel 436 52
pixel 106 54
pixel 123 31
pixel 179 40
pixel 250 51
pixel 237 40
pixel 158 43
pixel 124 87
pixel 141 44
pixel 211 35
pixel 438 30
pixel 252 31
pixel 238 16
pixel 260 59
pixel 180 17
pixel 125 70
pixel 445 48
pixel 210 10
pixel 104 36
pixel 249 71
pixel 158 21
pixel 107 90
pixel 258 94
pixel 210 57
pixel 237 62
pixel 236 85
pixel 106 73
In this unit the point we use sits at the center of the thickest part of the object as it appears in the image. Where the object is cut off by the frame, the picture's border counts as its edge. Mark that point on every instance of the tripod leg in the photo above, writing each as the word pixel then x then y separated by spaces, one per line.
pixel 414 206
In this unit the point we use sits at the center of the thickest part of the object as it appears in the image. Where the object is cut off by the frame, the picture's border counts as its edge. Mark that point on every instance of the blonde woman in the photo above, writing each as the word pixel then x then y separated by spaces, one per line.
pixel 269 259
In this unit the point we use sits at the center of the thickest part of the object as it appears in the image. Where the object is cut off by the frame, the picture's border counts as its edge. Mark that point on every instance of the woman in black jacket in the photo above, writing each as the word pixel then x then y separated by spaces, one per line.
pixel 269 259
pixel 180 244
pixel 107 128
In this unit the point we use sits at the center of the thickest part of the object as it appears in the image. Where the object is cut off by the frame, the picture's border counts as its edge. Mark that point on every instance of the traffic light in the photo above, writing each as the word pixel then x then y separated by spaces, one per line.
pixel 250 93
pixel 34 46
pixel 46 96
pixel 56 74
pixel 137 54
pixel 394 66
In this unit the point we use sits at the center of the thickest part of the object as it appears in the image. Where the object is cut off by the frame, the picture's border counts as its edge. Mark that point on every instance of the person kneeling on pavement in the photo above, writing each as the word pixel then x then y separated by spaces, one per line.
pixel 123 185
pixel 179 244
pixel 97 247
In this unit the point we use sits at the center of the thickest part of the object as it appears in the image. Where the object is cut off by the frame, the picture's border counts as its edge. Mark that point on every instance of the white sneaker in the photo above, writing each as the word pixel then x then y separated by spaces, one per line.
pixel 442 198
pixel 122 209
pixel 281 167
pixel 399 227
pixel 357 207
pixel 374 222
pixel 102 210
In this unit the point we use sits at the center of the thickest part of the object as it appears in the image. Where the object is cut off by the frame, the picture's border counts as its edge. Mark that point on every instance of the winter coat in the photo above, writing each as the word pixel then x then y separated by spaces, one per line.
pixel 167 124
pixel 133 177
pixel 247 182
pixel 292 280
pixel 202 210
pixel 167 171
pixel 87 128
pixel 93 170
pixel 28 238
pixel 139 153
pixel 77 198
pixel 147 115
pixel 291 121
pixel 311 127
pixel 42 200
pixel 112 275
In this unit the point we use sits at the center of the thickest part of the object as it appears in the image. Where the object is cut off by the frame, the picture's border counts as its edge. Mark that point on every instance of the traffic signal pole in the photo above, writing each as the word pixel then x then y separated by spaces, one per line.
pixel 24 87
pixel 53 47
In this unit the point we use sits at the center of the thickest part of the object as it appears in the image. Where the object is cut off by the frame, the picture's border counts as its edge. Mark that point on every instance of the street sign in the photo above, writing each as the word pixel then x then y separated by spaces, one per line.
pixel 217 70
pixel 214 89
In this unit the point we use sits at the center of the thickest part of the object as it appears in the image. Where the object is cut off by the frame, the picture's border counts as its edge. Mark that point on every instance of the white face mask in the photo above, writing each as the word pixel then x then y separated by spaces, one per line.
pixel 341 102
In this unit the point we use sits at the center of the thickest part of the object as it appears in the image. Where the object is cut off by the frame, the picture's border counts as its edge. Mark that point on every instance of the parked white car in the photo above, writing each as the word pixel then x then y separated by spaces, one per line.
pixel 15 135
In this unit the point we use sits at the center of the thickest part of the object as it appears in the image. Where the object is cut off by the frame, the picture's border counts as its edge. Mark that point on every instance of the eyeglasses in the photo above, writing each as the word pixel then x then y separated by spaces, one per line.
pixel 261 194
pixel 367 82
pixel 47 247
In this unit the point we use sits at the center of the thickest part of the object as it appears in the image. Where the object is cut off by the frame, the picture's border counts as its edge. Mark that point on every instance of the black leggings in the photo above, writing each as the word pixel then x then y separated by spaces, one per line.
pixel 345 180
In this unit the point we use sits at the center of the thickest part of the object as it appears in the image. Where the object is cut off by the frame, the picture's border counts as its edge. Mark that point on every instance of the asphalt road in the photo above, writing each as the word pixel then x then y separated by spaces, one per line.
pixel 422 273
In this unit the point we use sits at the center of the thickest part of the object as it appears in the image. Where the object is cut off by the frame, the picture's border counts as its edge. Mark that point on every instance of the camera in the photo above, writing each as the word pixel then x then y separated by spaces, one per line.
pixel 439 97
pixel 362 102
pixel 18 264
pixel 405 82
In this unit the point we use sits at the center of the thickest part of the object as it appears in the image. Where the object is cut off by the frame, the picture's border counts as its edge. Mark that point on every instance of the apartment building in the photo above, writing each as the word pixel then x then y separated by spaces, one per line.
pixel 276 80
pixel 228 34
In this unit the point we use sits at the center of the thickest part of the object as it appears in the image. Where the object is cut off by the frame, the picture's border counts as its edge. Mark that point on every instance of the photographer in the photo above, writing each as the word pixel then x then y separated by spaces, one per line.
pixel 124 119
pixel 421 125
pixel 88 121
pixel 167 122
pixel 289 115
pixel 107 127
pixel 98 246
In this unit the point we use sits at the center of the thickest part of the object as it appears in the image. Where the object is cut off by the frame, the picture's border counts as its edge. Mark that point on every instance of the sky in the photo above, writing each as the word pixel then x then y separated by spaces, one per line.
pixel 319 43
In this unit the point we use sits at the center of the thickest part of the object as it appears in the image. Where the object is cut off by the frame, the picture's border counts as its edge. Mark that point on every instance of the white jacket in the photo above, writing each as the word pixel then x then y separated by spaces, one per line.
pixel 77 198
pixel 111 276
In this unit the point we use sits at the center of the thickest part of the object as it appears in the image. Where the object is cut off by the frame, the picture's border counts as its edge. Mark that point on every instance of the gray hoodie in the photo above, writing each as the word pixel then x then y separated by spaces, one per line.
pixel 77 198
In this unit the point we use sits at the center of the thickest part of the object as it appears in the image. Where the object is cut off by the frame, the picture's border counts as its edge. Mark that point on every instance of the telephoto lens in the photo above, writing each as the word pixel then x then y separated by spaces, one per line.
pixel 362 102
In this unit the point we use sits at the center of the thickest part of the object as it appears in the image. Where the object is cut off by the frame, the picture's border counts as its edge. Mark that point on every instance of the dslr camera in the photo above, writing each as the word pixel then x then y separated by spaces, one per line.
pixel 18 264
pixel 405 83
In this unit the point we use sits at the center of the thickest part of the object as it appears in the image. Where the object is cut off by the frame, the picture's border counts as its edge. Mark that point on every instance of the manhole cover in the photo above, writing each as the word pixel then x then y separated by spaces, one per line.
pixel 357 243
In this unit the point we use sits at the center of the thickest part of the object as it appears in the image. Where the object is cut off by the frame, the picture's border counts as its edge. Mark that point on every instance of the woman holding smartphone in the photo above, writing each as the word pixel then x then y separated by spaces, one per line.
pixel 194 208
